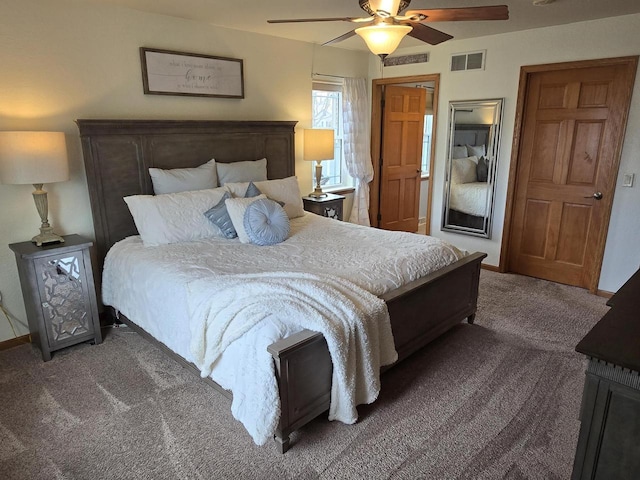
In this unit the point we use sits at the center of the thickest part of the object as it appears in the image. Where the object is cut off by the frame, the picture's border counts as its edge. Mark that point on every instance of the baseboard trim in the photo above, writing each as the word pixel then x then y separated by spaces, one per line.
pixel 492 268
pixel 604 293
pixel 14 342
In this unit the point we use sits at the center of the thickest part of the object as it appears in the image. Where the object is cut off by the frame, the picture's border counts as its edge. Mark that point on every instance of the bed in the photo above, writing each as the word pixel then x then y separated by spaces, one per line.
pixel 117 155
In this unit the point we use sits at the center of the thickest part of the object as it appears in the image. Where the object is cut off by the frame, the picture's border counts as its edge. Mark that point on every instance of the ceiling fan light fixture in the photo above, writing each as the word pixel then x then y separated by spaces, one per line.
pixel 392 6
pixel 383 39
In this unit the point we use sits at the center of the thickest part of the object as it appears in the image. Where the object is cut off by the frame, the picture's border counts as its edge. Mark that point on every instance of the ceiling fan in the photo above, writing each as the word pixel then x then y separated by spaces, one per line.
pixel 385 26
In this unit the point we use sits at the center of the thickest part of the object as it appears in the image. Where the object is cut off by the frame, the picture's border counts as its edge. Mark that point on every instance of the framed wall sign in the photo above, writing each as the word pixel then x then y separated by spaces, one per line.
pixel 165 72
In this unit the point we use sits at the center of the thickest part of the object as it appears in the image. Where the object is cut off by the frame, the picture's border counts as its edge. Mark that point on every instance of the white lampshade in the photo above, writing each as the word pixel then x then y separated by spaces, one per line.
pixel 318 144
pixel 383 39
pixel 33 158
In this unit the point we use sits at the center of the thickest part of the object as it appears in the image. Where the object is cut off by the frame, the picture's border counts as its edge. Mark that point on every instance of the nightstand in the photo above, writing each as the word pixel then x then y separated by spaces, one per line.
pixel 329 206
pixel 59 293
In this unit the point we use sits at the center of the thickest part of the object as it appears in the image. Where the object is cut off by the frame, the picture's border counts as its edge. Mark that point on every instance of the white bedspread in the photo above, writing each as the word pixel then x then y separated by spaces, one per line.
pixel 354 322
pixel 469 198
pixel 150 286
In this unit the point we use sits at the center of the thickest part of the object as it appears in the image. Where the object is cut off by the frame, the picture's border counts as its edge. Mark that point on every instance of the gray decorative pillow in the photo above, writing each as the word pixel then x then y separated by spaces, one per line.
pixel 252 191
pixel 266 222
pixel 219 216
pixel 482 169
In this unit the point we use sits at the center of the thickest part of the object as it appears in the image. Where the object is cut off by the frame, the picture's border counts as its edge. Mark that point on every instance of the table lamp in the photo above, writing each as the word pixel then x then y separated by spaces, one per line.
pixel 318 146
pixel 36 158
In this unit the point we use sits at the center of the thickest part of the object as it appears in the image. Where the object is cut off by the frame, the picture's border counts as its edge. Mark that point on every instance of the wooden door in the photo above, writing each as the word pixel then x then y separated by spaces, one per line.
pixel 573 128
pixel 402 133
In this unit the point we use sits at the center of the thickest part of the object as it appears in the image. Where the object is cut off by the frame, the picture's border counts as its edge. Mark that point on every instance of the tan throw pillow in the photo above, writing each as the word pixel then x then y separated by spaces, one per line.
pixel 285 191
pixel 236 208
pixel 463 170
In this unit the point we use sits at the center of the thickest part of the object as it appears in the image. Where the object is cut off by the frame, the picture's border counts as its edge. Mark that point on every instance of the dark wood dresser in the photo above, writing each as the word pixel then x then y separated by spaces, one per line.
pixel 609 442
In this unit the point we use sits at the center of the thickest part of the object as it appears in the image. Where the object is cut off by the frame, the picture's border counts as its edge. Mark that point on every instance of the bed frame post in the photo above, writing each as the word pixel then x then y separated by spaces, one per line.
pixel 303 370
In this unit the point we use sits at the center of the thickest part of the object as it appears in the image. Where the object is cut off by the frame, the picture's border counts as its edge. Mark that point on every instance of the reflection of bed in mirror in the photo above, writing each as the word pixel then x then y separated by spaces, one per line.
pixel 468 181
pixel 474 137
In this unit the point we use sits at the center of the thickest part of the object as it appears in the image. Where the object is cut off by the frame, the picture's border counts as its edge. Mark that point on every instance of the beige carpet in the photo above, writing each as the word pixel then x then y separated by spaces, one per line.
pixel 498 399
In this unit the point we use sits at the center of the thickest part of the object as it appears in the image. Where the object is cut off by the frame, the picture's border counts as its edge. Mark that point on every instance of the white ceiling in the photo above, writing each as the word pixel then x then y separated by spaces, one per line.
pixel 252 15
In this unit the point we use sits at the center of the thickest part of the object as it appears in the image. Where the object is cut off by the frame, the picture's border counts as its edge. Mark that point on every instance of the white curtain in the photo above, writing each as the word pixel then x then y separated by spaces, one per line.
pixel 357 153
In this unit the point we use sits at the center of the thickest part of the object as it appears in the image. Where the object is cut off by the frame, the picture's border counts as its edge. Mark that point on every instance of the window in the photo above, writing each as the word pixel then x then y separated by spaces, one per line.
pixel 426 145
pixel 327 113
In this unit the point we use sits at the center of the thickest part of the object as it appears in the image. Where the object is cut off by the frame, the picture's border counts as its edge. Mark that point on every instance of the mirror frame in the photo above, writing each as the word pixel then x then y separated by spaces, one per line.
pixel 492 149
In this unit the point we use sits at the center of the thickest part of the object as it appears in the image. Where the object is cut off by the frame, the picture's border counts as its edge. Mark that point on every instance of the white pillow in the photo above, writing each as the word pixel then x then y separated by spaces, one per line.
pixel 463 170
pixel 459 152
pixel 284 190
pixel 476 150
pixel 174 217
pixel 252 171
pixel 184 179
pixel 236 208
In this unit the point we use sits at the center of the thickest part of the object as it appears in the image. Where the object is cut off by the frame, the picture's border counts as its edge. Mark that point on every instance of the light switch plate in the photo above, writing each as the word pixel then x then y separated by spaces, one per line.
pixel 627 179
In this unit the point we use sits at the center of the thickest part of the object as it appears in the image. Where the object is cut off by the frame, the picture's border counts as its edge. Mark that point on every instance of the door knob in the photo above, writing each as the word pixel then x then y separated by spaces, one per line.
pixel 597 196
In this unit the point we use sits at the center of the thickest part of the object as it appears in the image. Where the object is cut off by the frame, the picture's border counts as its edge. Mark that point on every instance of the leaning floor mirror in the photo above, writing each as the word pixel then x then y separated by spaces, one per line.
pixel 472 159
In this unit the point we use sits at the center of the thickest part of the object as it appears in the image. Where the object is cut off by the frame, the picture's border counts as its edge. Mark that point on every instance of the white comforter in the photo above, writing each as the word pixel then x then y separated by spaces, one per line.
pixel 469 198
pixel 354 322
pixel 155 286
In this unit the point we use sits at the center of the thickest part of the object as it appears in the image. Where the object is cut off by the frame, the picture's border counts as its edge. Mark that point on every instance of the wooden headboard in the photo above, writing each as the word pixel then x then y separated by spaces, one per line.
pixel 471 134
pixel 118 154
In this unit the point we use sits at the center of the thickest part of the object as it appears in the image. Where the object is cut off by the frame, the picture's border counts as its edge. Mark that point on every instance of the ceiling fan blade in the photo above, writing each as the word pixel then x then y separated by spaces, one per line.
pixel 337 19
pixel 493 12
pixel 427 34
pixel 340 38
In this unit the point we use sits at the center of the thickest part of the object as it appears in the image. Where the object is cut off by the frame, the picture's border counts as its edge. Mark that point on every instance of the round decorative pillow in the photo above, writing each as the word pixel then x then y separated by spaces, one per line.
pixel 266 222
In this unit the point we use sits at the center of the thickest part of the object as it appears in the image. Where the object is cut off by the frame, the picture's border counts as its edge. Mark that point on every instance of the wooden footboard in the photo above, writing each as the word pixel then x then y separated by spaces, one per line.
pixel 423 310
pixel 420 312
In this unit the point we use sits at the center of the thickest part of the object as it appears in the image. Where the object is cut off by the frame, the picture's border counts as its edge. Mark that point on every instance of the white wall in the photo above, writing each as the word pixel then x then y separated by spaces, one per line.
pixel 62 60
pixel 612 37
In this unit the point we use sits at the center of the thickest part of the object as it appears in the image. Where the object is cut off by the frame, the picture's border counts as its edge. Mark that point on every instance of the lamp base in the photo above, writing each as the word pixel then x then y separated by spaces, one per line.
pixel 317 193
pixel 42 205
pixel 46 236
